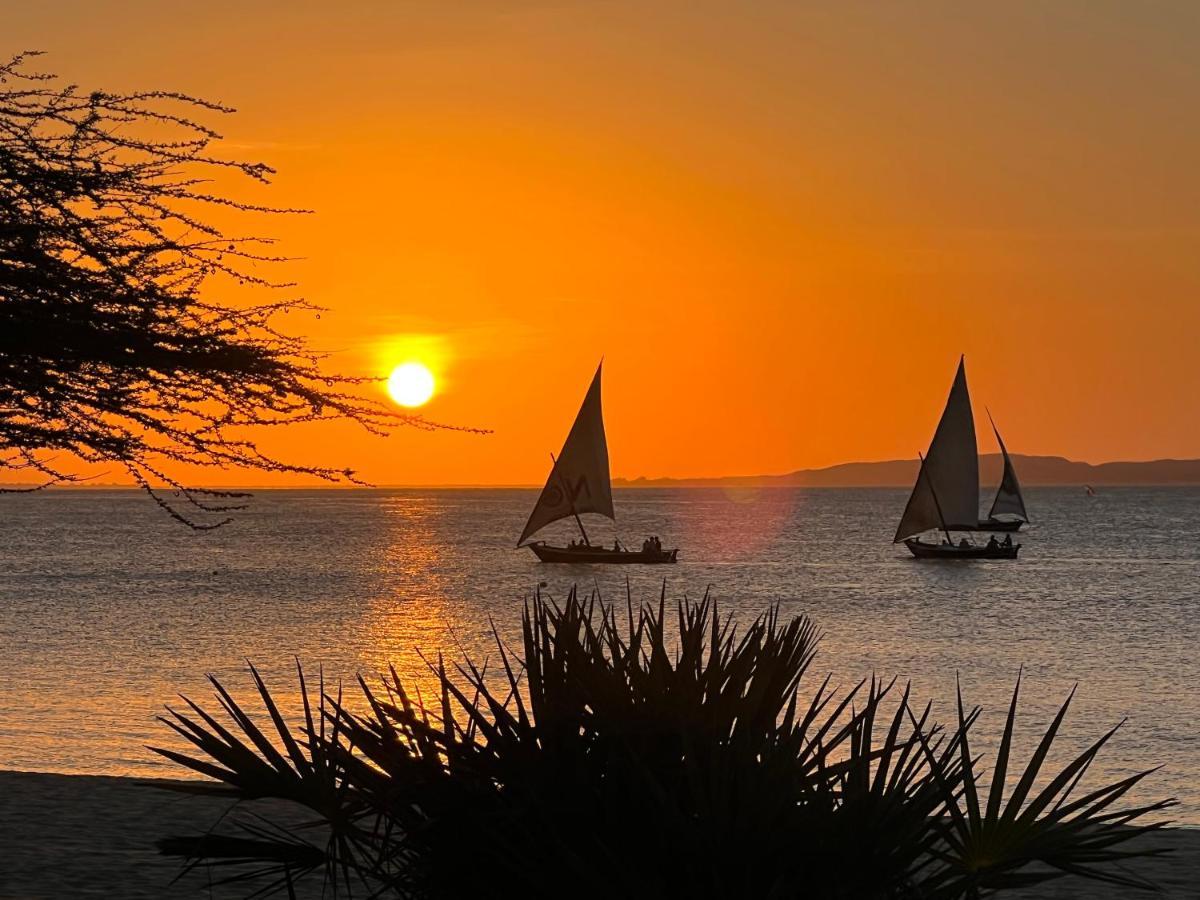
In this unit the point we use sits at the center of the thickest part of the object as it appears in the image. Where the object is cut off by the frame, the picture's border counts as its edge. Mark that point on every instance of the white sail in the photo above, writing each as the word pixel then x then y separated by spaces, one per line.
pixel 579 481
pixel 1008 496
pixel 946 494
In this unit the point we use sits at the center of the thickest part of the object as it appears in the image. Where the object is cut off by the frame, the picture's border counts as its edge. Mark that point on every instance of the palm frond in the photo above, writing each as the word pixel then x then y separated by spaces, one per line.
pixel 674 754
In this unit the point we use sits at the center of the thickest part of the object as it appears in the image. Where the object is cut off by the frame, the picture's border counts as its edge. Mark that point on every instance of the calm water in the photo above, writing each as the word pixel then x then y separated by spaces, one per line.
pixel 107 609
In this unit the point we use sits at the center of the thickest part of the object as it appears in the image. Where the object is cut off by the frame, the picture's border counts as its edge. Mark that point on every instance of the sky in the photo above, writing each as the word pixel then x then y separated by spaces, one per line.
pixel 780 224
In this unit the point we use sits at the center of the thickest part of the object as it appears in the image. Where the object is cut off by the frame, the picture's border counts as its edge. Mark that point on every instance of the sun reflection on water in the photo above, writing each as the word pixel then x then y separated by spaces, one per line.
pixel 420 614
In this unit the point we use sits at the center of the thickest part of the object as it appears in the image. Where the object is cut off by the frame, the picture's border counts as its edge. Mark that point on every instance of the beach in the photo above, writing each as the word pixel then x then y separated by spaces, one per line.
pixel 94 836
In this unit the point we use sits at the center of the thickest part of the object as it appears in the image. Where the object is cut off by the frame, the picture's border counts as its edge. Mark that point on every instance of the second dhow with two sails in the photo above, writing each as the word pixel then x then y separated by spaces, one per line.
pixel 946 495
pixel 580 482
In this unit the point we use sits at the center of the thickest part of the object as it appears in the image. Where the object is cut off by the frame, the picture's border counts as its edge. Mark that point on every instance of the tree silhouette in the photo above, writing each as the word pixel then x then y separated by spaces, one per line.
pixel 120 339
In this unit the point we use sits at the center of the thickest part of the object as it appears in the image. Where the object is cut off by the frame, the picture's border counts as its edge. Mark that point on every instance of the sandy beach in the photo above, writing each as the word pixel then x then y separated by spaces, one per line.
pixel 93 836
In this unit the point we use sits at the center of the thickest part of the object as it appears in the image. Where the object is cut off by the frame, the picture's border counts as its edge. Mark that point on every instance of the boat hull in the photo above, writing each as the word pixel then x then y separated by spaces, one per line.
pixel 603 555
pixel 1001 525
pixel 922 550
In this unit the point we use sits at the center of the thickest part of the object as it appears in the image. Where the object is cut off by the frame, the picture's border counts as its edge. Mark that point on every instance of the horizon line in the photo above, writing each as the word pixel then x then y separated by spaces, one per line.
pixel 680 480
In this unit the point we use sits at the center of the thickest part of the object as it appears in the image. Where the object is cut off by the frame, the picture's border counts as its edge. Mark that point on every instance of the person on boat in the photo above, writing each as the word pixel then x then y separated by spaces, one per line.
pixel 616 545
pixel 992 543
pixel 964 544
pixel 1007 542
pixel 646 545
pixel 657 544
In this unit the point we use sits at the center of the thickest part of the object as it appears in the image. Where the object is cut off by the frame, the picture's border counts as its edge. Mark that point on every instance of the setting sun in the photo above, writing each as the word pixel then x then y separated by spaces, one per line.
pixel 410 384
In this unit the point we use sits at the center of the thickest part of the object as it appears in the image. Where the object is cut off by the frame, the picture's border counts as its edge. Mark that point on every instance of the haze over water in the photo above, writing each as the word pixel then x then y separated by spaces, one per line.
pixel 108 609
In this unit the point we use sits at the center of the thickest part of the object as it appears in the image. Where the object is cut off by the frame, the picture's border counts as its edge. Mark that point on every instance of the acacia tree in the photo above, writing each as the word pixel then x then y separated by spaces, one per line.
pixel 121 341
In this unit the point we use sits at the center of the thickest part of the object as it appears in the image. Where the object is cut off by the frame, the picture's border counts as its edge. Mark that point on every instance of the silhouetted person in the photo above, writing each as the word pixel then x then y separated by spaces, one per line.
pixel 992 542
pixel 964 544
pixel 1008 540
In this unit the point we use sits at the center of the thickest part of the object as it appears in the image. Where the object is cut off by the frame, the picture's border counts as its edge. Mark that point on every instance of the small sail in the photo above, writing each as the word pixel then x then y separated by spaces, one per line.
pixel 1008 496
pixel 579 481
pixel 949 477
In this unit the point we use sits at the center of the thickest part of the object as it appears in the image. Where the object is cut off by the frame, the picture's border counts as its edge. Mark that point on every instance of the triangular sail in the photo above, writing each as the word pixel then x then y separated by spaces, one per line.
pixel 950 474
pixel 579 481
pixel 1008 496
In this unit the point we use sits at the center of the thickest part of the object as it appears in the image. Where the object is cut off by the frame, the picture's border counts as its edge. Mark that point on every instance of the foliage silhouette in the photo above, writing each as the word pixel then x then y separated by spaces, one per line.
pixel 670 757
pixel 125 336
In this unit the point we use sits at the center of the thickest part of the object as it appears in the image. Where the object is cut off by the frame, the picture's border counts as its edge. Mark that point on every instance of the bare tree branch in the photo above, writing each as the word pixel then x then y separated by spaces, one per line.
pixel 114 346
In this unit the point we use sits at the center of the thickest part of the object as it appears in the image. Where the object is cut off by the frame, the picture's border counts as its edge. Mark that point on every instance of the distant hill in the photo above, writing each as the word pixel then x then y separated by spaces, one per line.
pixel 1032 470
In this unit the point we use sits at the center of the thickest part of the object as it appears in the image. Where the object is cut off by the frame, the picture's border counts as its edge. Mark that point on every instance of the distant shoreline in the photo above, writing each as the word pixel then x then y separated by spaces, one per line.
pixel 1034 471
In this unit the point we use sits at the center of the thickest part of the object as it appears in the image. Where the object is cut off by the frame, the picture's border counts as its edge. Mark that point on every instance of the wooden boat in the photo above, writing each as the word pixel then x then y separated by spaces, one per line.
pixel 946 495
pixel 579 483
pixel 584 553
pixel 922 550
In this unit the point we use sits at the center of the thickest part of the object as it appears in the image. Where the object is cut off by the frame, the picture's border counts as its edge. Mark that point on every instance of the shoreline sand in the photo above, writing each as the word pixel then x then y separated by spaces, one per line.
pixel 93 836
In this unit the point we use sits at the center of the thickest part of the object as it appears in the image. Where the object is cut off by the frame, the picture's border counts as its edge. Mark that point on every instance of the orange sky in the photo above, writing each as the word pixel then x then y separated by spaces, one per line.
pixel 779 225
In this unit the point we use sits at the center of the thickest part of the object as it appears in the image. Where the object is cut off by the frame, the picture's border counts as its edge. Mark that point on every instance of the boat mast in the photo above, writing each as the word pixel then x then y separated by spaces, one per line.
pixel 570 499
pixel 933 494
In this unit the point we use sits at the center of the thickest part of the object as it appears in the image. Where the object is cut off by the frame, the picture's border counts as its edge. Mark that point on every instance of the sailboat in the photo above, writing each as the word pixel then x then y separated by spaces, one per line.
pixel 1008 500
pixel 946 495
pixel 579 482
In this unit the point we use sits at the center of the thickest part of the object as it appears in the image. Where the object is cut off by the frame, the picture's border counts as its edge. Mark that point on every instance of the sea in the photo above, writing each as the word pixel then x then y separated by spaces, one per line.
pixel 109 610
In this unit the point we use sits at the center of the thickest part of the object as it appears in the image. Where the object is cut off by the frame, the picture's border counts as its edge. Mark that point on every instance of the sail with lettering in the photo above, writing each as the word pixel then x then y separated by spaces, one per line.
pixel 946 494
pixel 579 481
pixel 1009 501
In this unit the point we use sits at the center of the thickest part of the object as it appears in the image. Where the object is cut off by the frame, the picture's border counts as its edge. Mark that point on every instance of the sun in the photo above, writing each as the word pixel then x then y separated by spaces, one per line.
pixel 410 384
